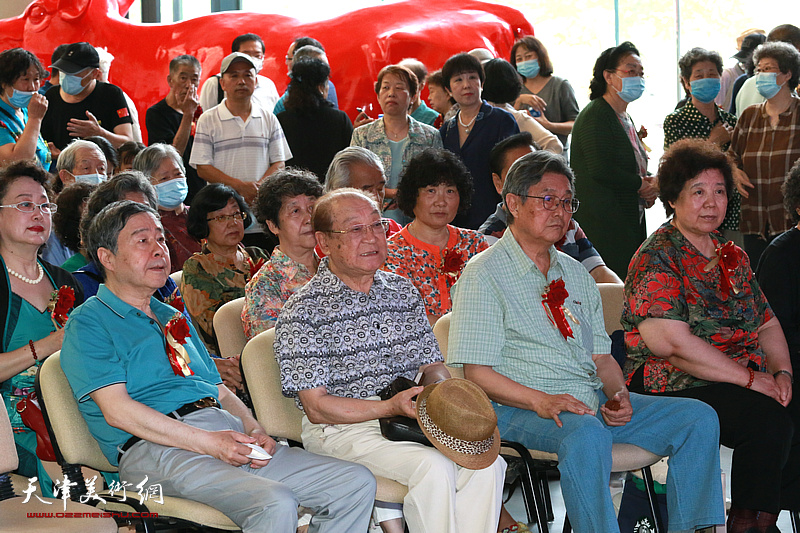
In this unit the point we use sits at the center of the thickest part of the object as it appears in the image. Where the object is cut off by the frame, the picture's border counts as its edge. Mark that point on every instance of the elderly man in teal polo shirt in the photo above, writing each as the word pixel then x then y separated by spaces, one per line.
pixel 156 404
pixel 528 327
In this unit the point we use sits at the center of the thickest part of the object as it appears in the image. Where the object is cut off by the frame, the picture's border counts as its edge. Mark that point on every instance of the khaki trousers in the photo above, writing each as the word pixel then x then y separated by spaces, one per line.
pixel 442 496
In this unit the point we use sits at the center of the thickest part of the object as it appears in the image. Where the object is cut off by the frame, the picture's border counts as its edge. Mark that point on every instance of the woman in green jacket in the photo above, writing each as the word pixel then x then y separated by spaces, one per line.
pixel 610 161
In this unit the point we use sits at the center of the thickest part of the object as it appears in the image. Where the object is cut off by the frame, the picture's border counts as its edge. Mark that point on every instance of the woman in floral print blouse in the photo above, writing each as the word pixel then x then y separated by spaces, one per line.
pixel 429 251
pixel 698 326
pixel 218 273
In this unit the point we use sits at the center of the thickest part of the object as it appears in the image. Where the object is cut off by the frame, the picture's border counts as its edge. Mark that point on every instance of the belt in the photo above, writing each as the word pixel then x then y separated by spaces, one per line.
pixel 177 413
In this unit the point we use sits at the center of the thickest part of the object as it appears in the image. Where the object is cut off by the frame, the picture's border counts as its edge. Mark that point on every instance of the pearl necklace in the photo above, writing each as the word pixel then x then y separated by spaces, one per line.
pixel 466 126
pixel 26 279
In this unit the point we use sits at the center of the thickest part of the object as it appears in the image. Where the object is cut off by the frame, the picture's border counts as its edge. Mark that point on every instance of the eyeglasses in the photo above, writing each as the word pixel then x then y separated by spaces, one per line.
pixel 767 70
pixel 29 207
pixel 551 202
pixel 361 230
pixel 239 215
pixel 630 73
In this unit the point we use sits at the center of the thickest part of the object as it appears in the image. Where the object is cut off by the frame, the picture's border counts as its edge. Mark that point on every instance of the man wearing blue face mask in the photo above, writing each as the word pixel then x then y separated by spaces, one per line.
pixel 82 106
pixel 81 161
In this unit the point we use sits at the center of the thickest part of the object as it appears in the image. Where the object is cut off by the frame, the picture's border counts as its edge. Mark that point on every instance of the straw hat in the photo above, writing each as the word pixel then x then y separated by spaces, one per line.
pixel 459 420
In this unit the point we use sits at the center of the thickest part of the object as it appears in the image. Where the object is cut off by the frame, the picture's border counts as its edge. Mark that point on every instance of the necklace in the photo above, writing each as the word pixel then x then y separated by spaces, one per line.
pixel 467 126
pixel 26 279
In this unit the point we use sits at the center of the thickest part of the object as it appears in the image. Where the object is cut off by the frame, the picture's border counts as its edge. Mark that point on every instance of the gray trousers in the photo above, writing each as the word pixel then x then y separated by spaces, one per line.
pixel 339 493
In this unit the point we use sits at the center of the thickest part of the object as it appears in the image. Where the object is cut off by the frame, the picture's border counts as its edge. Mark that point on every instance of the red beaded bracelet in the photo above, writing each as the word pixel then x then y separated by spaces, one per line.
pixel 752 378
pixel 33 351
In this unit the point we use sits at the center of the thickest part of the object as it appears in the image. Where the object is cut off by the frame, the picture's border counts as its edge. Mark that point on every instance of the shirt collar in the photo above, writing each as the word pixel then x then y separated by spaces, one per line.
pixel 123 309
pixel 225 113
pixel 379 279
pixel 523 264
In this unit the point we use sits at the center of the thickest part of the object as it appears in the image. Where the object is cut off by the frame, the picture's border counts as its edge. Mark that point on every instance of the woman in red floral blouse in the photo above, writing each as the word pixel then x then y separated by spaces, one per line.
pixel 698 326
pixel 429 251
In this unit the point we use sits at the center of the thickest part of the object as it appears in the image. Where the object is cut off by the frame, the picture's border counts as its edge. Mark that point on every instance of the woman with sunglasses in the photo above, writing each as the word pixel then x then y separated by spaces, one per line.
pixel 218 273
pixel 27 331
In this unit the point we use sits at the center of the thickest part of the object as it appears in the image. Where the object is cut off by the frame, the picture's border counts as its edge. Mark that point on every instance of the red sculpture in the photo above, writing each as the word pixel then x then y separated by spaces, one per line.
pixel 358 44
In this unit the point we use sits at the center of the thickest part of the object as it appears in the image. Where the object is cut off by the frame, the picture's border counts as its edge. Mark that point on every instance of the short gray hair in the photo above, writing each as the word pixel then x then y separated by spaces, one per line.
pixel 528 171
pixel 308 50
pixel 106 226
pixel 786 55
pixel 338 174
pixel 149 159
pixel 69 155
pixel 114 190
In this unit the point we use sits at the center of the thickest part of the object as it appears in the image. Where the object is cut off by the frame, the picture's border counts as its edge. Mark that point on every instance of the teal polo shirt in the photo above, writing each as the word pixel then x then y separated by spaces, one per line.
pixel 107 341
pixel 498 320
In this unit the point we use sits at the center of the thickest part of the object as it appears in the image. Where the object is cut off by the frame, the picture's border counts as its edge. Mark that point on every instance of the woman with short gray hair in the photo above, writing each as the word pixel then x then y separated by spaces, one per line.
pixel 765 144
pixel 163 165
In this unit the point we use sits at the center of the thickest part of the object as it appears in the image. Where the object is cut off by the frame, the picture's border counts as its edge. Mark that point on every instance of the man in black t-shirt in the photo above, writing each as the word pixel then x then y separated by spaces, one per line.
pixel 172 120
pixel 82 106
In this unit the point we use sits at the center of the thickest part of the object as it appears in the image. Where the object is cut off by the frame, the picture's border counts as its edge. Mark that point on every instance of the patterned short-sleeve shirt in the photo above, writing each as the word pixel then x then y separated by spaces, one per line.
pixel 269 289
pixel 424 264
pixel 667 279
pixel 352 343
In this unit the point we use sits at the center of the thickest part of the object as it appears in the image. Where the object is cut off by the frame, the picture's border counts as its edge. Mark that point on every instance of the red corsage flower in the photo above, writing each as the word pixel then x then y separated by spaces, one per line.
pixel 255 267
pixel 728 258
pixel 553 302
pixel 61 303
pixel 453 263
pixel 176 331
pixel 176 301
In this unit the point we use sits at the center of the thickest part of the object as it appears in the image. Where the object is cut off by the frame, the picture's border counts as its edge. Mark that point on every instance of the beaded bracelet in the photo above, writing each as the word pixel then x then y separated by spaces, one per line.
pixel 33 350
pixel 752 378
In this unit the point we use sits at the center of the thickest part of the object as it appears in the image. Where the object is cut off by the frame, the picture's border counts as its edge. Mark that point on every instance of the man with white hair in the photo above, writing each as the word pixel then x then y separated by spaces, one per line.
pixel 82 161
pixel 82 105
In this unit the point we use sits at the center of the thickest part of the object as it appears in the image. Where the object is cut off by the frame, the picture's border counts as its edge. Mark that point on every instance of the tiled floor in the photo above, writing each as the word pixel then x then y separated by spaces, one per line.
pixel 517 507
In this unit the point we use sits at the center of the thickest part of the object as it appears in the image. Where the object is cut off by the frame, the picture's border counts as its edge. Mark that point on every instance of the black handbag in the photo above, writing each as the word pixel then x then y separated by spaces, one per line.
pixel 401 428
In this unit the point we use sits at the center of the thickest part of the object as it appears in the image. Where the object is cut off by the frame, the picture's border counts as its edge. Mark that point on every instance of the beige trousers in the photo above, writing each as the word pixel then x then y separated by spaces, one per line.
pixel 442 496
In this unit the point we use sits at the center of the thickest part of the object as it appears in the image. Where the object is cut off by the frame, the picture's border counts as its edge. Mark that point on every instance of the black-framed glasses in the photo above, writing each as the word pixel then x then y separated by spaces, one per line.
pixel 361 230
pixel 47 208
pixel 239 215
pixel 551 202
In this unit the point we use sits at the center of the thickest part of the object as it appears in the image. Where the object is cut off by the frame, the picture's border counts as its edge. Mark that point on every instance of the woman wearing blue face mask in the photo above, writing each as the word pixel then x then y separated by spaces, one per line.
pixel 765 144
pixel 702 118
pixel 164 166
pixel 22 108
pixel 610 161
pixel 545 95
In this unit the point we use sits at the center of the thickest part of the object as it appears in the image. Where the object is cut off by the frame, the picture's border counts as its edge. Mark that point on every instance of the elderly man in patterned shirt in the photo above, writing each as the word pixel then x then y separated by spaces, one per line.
pixel 528 327
pixel 346 335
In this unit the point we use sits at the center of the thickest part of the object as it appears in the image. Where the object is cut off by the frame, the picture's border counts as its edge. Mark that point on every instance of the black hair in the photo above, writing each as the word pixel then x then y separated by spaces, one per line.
pixel 212 197
pixel 24 168
pixel 534 45
pixel 308 74
pixel 15 63
pixel 241 39
pixel 112 158
pixel 791 192
pixel 433 166
pixel 67 219
pixel 608 60
pixel 459 64
pixel 300 42
pixel 502 85
pixel 497 157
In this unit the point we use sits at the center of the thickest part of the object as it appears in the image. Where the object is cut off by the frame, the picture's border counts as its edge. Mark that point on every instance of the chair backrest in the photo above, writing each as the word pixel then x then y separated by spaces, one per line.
pixel 71 435
pixel 611 294
pixel 228 328
pixel 8 451
pixel 442 331
pixel 278 414
pixel 177 277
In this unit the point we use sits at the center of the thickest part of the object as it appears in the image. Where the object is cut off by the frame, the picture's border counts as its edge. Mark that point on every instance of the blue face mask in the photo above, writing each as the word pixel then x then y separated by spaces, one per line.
pixel 767 84
pixel 529 69
pixel 172 193
pixel 70 83
pixel 91 179
pixel 706 89
pixel 632 88
pixel 20 99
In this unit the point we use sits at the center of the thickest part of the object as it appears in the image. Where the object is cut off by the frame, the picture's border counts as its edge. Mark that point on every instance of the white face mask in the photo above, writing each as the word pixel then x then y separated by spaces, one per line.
pixel 258 64
pixel 91 179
